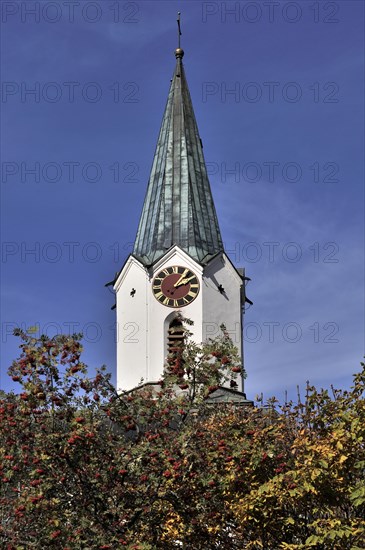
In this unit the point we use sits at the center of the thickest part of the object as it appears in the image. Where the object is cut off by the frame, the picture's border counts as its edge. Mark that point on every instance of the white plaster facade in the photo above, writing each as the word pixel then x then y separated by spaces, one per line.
pixel 142 321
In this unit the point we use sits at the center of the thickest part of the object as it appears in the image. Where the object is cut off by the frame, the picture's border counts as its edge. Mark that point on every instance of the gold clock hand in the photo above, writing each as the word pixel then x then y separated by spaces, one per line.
pixel 184 281
pixel 178 282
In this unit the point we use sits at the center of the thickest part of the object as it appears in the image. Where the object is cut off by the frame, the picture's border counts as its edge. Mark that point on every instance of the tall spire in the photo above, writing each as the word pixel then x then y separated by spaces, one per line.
pixel 178 207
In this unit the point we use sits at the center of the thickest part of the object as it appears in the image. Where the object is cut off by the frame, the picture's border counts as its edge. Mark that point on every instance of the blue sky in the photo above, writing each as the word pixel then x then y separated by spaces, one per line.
pixel 278 94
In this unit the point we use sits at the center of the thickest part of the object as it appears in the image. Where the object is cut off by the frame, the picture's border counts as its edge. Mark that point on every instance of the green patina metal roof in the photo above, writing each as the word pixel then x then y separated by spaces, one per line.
pixel 178 208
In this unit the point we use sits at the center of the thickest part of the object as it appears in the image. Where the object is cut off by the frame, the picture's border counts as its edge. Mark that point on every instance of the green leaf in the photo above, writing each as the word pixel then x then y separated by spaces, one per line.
pixel 312 540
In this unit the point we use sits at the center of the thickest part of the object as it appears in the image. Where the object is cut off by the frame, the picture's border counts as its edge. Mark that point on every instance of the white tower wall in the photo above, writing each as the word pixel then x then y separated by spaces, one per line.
pixel 143 321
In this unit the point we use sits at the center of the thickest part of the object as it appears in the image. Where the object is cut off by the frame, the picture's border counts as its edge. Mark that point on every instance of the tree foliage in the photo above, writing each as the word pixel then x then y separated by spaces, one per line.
pixel 82 466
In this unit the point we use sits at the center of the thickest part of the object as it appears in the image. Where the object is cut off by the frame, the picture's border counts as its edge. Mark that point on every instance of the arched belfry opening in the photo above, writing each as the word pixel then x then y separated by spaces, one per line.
pixel 175 336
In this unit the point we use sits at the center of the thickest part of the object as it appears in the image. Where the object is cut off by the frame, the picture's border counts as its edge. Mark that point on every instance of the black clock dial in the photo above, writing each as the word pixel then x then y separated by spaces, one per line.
pixel 175 286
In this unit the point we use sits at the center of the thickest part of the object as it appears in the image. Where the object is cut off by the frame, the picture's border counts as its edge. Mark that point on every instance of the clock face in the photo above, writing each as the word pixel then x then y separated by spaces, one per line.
pixel 175 286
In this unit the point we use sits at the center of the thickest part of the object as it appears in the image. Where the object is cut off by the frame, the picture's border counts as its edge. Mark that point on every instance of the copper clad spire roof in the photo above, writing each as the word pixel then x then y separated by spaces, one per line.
pixel 178 207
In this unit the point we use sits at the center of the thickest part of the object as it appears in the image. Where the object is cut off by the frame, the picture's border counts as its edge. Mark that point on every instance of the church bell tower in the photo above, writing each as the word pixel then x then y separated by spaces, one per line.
pixel 178 264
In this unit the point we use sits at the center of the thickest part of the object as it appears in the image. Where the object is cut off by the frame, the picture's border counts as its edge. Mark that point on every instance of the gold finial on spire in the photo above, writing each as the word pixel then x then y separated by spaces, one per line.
pixel 179 52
